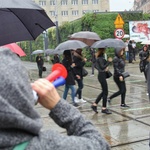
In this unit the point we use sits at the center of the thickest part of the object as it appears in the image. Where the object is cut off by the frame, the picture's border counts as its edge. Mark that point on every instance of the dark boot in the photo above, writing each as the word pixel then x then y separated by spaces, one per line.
pixel 94 108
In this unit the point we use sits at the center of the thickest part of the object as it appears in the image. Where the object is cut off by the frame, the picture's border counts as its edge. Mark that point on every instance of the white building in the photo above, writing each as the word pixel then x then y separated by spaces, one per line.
pixel 69 10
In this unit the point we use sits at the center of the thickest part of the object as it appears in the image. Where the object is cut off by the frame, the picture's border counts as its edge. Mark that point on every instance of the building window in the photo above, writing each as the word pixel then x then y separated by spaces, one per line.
pixel 52 2
pixel 84 2
pixel 95 10
pixel 42 3
pixel 64 13
pixel 94 1
pixel 63 2
pixel 74 2
pixel 75 12
pixel 52 13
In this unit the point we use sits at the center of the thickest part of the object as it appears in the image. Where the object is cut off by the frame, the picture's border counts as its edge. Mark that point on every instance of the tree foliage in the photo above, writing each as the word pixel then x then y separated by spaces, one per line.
pixel 101 23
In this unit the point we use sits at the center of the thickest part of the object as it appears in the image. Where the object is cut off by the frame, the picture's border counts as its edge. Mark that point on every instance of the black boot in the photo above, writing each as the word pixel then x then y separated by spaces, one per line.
pixel 94 108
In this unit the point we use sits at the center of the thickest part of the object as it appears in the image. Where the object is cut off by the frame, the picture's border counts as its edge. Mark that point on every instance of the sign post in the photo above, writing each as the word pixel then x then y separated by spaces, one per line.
pixel 119 32
pixel 119 22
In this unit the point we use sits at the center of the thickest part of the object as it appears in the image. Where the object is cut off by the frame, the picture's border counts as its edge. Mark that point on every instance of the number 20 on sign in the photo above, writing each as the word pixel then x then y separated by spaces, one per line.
pixel 119 33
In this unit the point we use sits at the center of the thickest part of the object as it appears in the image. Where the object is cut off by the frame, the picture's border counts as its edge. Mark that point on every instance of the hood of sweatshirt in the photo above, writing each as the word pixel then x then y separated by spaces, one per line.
pixel 19 121
pixel 117 50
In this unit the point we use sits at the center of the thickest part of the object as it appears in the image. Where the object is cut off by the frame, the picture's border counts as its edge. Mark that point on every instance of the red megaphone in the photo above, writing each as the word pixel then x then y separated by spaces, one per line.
pixel 57 71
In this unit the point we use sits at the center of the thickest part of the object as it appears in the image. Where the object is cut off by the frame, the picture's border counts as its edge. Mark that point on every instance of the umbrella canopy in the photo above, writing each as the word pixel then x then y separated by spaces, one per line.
pixel 22 20
pixel 37 52
pixel 49 52
pixel 109 43
pixel 16 49
pixel 85 36
pixel 146 42
pixel 69 45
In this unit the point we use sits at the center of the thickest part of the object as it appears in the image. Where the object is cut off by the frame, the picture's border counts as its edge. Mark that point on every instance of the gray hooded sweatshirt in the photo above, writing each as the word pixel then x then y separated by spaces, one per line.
pixel 19 121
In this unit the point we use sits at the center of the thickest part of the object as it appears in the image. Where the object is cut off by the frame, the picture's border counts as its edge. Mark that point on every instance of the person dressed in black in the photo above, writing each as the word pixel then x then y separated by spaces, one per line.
pixel 102 67
pixel 119 68
pixel 56 59
pixel 131 52
pixel 40 62
pixel 70 80
pixel 93 59
pixel 79 62
pixel 144 55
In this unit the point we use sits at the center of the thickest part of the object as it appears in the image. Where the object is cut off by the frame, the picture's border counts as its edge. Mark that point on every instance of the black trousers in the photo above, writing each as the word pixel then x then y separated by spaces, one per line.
pixel 104 93
pixel 122 89
pixel 80 87
pixel 40 68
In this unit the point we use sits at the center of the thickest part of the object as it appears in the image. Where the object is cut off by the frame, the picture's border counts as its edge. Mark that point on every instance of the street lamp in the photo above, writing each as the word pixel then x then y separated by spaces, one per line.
pixel 56 18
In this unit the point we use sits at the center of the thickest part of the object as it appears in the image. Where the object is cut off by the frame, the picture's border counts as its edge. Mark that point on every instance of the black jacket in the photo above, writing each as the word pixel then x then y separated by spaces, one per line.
pixel 143 55
pixel 39 61
pixel 70 77
pixel 118 64
pixel 79 64
pixel 101 63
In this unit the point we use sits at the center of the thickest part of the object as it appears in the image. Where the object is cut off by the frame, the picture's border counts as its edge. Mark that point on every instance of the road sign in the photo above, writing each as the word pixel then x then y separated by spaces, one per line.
pixel 119 33
pixel 119 22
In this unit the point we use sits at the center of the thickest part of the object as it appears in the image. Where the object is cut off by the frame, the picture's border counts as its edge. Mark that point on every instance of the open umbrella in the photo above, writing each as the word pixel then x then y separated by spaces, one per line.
pixel 37 52
pixel 69 45
pixel 50 52
pixel 16 49
pixel 22 20
pixel 109 43
pixel 85 36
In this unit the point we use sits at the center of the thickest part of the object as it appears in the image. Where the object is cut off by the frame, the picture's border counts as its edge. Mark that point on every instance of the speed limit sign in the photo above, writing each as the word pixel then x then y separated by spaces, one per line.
pixel 119 33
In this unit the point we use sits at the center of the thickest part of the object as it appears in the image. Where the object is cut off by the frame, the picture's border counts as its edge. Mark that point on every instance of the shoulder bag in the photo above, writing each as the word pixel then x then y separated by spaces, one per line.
pixel 84 72
pixel 125 74
pixel 108 74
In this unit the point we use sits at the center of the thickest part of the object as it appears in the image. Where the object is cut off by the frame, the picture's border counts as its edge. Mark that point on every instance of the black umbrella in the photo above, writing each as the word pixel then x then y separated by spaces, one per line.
pixel 109 43
pixel 69 45
pixel 22 20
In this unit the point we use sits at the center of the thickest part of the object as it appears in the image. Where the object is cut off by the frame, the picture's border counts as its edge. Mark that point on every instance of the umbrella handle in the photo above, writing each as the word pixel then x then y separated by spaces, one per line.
pixel 58 82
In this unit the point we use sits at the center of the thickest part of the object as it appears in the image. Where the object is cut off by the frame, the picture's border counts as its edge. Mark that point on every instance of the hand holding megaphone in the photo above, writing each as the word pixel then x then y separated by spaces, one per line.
pixel 57 77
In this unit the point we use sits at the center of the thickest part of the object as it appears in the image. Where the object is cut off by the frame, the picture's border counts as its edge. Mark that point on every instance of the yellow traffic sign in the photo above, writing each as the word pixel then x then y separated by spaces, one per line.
pixel 119 22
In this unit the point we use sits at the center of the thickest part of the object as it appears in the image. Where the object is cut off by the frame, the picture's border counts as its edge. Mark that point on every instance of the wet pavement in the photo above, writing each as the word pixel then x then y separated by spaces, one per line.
pixel 125 128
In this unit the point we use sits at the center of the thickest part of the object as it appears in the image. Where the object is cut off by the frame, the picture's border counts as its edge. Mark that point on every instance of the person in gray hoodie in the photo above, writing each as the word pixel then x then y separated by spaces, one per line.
pixel 19 121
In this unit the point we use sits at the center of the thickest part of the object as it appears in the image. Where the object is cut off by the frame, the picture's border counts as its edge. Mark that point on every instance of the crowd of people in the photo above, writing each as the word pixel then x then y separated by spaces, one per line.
pixel 20 124
pixel 74 62
pixel 23 128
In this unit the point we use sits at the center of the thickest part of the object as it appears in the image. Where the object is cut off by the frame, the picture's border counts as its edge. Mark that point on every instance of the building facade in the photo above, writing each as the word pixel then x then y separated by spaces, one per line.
pixel 143 5
pixel 69 10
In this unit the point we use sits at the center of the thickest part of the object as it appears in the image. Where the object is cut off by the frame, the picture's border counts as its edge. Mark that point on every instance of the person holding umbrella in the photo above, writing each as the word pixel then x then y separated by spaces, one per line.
pixel 70 81
pixel 40 62
pixel 79 62
pixel 21 125
pixel 119 69
pixel 102 67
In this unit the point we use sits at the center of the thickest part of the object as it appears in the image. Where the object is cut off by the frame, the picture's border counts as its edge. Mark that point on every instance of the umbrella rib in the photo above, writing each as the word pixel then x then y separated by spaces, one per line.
pixel 21 22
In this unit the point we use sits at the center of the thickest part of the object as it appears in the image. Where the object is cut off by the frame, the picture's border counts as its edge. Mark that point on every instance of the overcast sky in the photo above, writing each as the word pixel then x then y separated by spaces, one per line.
pixel 120 5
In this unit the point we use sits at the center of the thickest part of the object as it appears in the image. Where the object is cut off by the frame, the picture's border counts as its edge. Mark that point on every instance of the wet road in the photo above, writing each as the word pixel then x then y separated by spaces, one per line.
pixel 124 129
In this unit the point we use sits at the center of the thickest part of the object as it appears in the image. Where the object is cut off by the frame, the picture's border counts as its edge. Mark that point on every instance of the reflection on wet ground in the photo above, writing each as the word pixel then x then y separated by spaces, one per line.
pixel 124 129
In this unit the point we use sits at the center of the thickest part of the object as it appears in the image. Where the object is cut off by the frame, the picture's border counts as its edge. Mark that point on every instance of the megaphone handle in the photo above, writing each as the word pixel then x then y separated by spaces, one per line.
pixel 56 83
pixel 54 75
